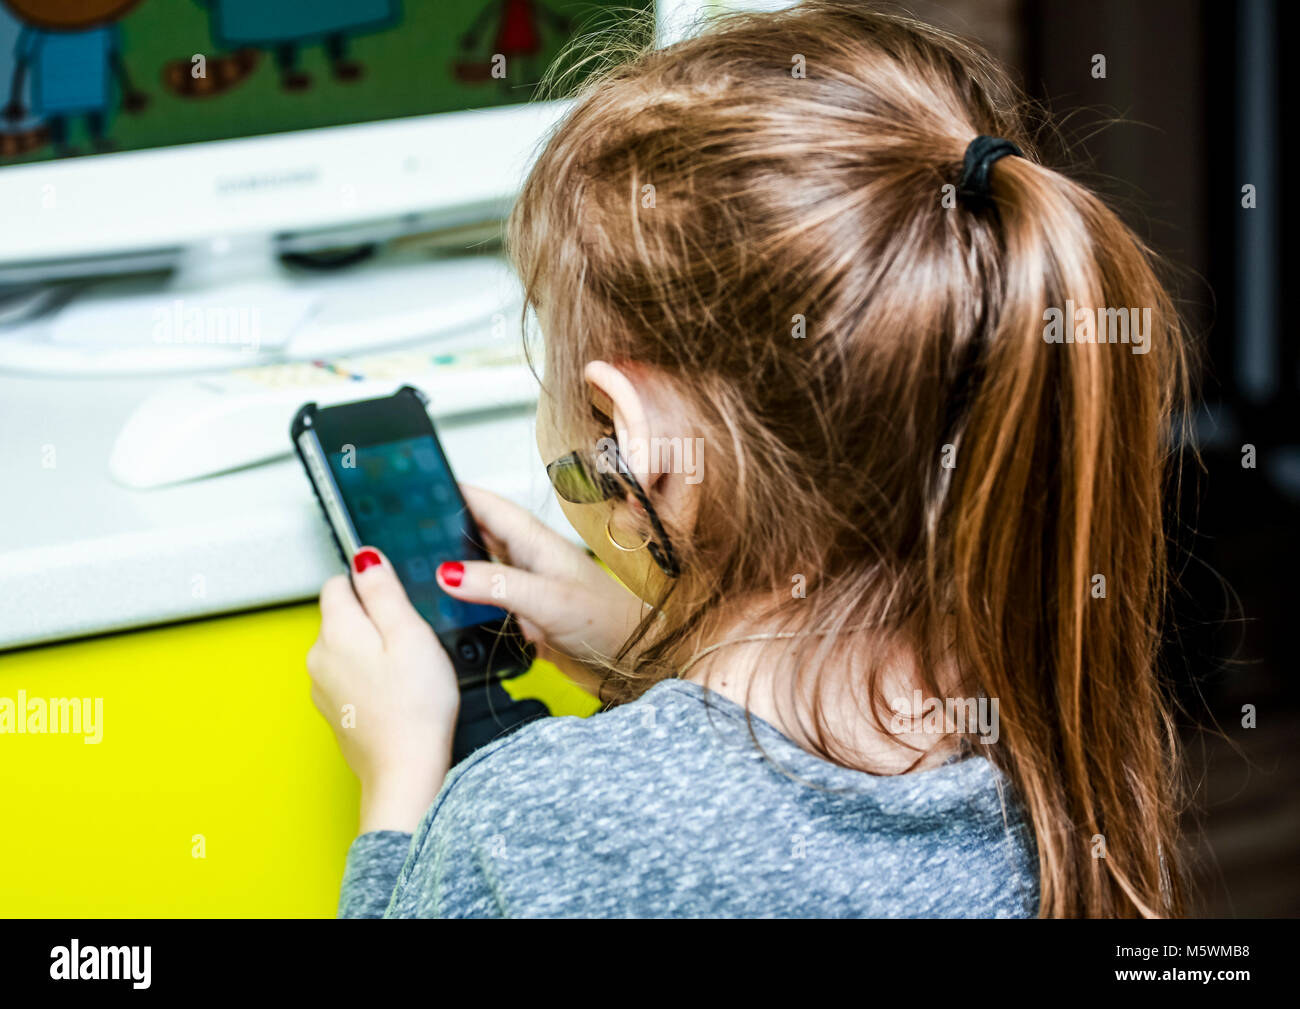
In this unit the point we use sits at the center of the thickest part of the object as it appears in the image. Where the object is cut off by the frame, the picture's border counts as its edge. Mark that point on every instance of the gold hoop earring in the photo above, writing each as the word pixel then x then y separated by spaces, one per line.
pixel 609 535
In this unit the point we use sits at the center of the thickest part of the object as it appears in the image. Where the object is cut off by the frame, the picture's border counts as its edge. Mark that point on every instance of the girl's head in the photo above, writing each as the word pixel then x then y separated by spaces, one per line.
pixel 746 251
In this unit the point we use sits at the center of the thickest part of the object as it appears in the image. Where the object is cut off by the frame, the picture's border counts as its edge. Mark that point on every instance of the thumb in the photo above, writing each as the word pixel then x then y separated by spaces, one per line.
pixel 381 594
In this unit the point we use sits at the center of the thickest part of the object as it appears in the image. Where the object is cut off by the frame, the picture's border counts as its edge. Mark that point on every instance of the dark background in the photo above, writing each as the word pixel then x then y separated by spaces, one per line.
pixel 1189 112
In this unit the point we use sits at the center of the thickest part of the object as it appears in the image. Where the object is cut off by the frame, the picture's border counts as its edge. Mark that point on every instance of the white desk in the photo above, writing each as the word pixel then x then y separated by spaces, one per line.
pixel 80 554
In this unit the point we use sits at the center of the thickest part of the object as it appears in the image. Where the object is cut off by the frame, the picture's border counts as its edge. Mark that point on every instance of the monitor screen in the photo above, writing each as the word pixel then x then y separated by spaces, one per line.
pixel 91 76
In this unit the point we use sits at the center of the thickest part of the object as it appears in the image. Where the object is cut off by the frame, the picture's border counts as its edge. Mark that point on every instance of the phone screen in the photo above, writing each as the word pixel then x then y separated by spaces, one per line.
pixel 403 500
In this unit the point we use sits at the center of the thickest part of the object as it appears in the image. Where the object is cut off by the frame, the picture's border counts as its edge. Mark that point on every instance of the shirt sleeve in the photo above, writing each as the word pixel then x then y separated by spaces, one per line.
pixel 455 868
pixel 370 874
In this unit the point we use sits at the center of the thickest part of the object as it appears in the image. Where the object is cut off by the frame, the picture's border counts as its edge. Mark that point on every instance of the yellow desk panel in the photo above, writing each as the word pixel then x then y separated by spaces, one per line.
pixel 210 747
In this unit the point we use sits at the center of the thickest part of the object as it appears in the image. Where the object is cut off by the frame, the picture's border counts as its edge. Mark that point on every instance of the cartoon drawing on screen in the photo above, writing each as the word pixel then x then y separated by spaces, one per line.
pixel 68 56
pixel 28 133
pixel 283 28
pixel 518 38
pixel 189 78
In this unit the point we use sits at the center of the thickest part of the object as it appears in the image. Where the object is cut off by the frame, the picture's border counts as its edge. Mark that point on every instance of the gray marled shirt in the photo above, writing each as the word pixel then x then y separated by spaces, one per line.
pixel 666 808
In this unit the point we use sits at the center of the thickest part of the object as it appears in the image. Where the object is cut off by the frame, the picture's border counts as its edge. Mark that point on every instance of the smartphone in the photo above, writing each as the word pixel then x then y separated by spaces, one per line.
pixel 382 480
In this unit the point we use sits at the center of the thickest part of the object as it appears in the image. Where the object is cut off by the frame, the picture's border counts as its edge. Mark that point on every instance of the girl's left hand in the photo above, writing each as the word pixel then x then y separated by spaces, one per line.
pixel 382 680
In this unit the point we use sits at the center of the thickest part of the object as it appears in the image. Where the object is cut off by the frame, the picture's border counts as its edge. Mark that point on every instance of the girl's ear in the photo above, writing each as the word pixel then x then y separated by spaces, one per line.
pixel 614 393
pixel 652 424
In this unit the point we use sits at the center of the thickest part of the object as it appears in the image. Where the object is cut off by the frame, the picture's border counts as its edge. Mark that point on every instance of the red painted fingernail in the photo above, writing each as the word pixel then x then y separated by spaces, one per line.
pixel 452 573
pixel 366 558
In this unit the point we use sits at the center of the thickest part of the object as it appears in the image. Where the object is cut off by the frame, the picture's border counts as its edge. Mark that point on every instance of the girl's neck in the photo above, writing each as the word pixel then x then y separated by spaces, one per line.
pixel 752 662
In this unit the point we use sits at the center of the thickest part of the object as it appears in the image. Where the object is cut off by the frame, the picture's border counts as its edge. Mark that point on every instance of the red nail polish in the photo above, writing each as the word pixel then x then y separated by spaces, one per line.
pixel 366 558
pixel 452 573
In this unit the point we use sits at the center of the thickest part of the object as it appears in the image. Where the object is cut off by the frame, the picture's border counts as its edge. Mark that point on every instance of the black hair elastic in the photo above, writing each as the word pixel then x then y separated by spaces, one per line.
pixel 980 155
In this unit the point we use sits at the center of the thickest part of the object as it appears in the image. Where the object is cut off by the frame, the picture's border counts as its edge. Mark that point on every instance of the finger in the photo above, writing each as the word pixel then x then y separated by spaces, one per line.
pixel 381 594
pixel 529 542
pixel 541 600
pixel 342 617
pixel 530 631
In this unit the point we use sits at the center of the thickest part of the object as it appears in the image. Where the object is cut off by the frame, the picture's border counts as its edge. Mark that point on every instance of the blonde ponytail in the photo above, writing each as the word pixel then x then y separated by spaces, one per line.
pixel 1058 547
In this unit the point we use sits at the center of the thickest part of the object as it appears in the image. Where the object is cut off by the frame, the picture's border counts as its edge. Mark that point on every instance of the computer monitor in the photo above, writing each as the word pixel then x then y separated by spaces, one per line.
pixel 134 125
pixel 132 131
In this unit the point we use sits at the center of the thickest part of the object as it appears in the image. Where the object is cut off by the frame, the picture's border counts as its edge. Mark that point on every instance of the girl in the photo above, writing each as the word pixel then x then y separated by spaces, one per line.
pixel 892 546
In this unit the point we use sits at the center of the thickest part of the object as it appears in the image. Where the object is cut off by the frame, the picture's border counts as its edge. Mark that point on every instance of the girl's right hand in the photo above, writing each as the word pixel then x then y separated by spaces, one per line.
pixel 573 610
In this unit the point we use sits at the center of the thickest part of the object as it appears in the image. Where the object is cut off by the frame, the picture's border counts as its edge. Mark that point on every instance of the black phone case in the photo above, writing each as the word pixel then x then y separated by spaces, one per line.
pixel 486 653
pixel 296 429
